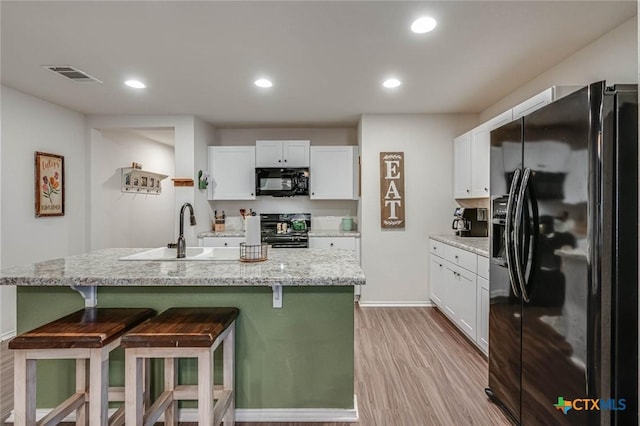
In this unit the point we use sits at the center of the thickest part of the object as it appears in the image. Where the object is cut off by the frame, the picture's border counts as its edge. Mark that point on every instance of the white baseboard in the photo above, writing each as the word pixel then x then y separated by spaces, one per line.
pixel 301 415
pixel 400 304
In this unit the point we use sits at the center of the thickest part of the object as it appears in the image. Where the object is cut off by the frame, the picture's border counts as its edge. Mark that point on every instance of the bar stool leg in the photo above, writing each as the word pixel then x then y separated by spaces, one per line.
pixel 82 385
pixel 170 369
pixel 98 387
pixel 205 387
pixel 133 388
pixel 228 363
pixel 25 389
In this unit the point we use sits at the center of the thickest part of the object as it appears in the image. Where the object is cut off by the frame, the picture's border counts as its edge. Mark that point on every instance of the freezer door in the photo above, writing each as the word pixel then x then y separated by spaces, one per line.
pixel 555 262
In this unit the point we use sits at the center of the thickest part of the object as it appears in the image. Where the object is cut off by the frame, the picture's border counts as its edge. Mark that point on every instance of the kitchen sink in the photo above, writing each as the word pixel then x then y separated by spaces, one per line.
pixel 192 253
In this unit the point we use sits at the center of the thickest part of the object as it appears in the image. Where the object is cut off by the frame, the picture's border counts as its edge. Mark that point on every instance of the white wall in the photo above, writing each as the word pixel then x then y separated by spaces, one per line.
pixel 396 261
pixel 204 136
pixel 30 124
pixel 184 131
pixel 127 219
pixel 613 57
pixel 317 135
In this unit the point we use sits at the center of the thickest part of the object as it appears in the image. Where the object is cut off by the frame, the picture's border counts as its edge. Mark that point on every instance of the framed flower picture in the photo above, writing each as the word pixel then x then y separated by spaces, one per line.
pixel 49 184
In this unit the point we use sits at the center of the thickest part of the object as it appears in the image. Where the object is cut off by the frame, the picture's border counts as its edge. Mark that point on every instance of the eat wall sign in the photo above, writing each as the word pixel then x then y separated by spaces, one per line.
pixel 392 189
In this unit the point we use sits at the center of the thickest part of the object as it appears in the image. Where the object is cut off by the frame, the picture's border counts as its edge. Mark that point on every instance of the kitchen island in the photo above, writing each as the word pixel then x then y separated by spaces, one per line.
pixel 290 361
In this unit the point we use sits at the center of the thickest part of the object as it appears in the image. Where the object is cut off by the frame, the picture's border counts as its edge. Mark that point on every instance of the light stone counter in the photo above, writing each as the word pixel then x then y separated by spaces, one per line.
pixel 287 267
pixel 326 233
pixel 221 234
pixel 477 245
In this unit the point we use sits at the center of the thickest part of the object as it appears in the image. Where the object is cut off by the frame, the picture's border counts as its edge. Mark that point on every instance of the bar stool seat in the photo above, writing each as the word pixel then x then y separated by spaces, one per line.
pixel 182 333
pixel 88 336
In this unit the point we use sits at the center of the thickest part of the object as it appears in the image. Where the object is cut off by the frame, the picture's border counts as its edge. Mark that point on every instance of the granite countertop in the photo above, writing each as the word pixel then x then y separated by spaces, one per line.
pixel 328 233
pixel 319 233
pixel 237 233
pixel 477 245
pixel 287 267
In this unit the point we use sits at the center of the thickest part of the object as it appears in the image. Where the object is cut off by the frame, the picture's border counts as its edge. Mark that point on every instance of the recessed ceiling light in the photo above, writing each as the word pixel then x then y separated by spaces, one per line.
pixel 391 83
pixel 263 82
pixel 423 25
pixel 136 84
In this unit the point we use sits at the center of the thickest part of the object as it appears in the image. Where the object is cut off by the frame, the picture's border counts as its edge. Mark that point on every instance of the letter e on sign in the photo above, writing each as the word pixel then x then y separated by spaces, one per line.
pixel 392 190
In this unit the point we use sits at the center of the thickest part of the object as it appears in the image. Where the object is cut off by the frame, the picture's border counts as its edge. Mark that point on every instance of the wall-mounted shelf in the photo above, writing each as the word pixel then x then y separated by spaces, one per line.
pixel 141 181
pixel 182 181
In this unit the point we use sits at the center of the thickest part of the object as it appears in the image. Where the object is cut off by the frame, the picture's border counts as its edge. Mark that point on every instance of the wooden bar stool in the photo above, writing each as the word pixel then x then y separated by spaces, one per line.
pixel 88 336
pixel 182 333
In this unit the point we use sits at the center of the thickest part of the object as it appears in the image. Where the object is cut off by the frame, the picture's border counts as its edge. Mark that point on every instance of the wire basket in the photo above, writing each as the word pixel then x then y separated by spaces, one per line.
pixel 253 253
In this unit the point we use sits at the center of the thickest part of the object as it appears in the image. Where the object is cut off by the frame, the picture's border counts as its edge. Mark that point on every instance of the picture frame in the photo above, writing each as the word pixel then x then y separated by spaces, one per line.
pixel 49 184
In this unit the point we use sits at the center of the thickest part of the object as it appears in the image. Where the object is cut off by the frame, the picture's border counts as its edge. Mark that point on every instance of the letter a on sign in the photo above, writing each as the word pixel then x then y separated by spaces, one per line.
pixel 392 189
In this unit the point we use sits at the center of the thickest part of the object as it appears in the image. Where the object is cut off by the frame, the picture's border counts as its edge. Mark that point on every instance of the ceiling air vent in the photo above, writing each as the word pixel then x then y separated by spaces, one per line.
pixel 72 73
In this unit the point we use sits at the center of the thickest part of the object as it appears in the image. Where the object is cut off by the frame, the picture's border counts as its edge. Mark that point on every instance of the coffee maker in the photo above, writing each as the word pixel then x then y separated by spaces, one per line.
pixel 470 222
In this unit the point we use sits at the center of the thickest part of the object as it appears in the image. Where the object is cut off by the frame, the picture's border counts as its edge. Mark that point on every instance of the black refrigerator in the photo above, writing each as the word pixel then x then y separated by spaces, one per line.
pixel 563 318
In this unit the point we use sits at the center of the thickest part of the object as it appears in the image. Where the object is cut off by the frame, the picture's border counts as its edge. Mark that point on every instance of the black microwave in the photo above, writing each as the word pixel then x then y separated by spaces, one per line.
pixel 282 182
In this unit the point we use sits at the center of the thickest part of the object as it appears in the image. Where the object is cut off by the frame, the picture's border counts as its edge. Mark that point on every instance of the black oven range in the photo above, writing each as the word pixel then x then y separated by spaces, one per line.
pixel 285 230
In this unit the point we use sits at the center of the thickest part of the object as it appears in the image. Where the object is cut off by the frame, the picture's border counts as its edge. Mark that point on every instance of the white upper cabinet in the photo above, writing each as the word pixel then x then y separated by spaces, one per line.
pixel 532 104
pixel 462 166
pixel 293 153
pixel 232 172
pixel 471 151
pixel 333 173
pixel 480 154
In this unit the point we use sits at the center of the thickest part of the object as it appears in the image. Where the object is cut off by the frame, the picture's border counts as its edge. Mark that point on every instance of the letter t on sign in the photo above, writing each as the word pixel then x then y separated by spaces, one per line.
pixel 392 190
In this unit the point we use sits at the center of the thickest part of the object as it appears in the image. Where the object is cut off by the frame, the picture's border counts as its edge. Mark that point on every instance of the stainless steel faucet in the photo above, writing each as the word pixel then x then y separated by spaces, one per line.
pixel 182 244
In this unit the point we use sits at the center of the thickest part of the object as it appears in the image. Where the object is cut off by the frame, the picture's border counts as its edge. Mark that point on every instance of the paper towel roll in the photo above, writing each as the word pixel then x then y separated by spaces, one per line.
pixel 252 230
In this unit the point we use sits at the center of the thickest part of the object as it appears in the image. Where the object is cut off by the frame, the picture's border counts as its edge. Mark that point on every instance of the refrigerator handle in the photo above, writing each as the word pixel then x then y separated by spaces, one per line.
pixel 508 230
pixel 517 228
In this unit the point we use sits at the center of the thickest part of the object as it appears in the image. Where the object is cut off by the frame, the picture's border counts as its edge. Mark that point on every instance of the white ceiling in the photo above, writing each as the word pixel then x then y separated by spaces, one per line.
pixel 327 59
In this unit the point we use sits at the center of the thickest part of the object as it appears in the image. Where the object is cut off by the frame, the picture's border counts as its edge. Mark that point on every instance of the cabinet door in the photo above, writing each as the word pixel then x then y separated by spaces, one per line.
pixel 295 153
pixel 451 293
pixel 332 173
pixel 222 241
pixel 480 154
pixel 462 166
pixel 232 170
pixel 466 288
pixel 436 281
pixel 482 315
pixel 269 154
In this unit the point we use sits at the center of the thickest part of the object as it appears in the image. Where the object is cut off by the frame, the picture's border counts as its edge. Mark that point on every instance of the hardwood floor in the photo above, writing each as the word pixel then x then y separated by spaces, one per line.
pixel 413 367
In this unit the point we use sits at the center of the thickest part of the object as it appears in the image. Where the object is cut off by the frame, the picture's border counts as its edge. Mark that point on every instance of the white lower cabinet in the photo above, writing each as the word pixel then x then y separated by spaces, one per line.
pixel 437 280
pixel 221 241
pixel 482 316
pixel 460 289
pixel 348 243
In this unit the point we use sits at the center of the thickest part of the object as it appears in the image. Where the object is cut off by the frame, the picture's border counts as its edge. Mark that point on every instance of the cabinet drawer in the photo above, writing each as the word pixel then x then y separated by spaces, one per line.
pixel 436 247
pixel 348 243
pixel 464 259
pixel 222 241
pixel 483 267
